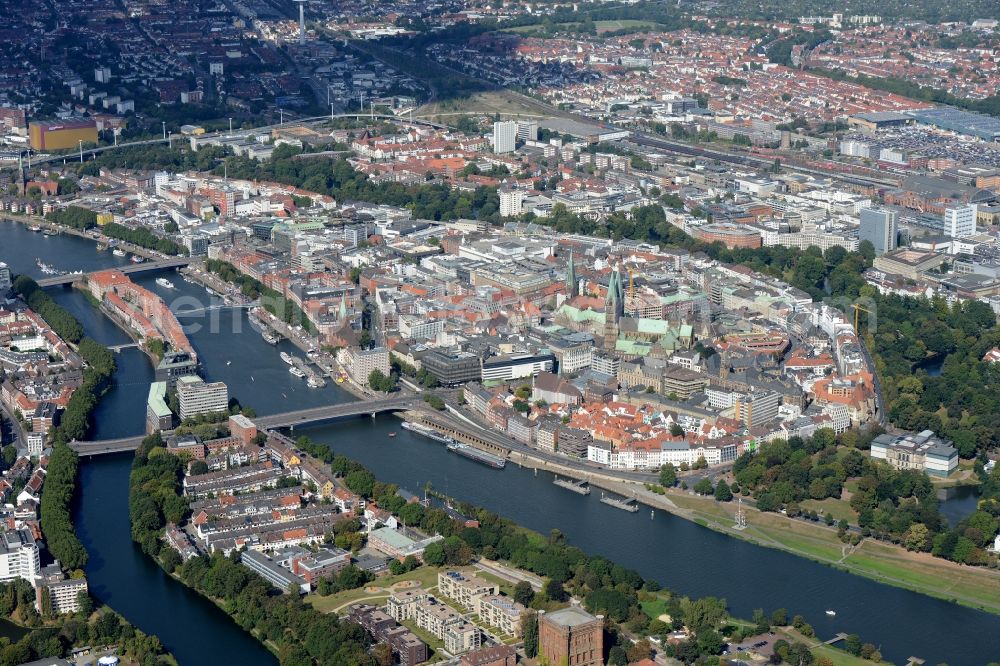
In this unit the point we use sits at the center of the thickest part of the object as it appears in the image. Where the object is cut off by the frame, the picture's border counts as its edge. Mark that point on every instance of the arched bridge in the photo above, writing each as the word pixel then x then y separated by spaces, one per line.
pixel 285 420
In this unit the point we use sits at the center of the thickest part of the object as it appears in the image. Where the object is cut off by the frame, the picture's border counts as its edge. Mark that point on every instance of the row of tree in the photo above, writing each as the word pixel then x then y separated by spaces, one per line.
pixel 143 237
pixel 252 288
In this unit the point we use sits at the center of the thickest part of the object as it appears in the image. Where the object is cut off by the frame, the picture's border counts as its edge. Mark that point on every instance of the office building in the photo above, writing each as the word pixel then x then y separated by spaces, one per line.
pixel 158 414
pixel 504 136
pixel 175 364
pixel 571 636
pixel 18 556
pixel 196 396
pixel 452 368
pixel 5 282
pixel 959 221
pixel 878 226
pixel 516 366
pixel 757 407
pixel 281 578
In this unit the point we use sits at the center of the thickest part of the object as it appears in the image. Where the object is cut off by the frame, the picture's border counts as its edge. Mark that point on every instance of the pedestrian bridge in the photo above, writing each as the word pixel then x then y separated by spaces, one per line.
pixel 292 419
pixel 144 267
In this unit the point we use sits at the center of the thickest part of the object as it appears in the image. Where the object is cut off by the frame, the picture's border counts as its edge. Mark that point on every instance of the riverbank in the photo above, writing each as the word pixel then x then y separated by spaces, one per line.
pixel 975 587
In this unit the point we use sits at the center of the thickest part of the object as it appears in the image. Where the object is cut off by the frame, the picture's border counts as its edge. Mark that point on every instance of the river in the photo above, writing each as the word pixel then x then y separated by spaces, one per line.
pixel 678 553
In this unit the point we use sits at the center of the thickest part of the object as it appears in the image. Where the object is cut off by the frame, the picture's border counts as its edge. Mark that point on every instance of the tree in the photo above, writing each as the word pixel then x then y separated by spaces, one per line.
pixel 704 486
pixel 524 594
pixel 529 632
pixel 722 492
pixel 554 590
pixel 434 554
pixel 668 476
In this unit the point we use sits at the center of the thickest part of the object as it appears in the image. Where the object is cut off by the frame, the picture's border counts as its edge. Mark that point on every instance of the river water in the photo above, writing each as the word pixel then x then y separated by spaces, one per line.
pixel 680 554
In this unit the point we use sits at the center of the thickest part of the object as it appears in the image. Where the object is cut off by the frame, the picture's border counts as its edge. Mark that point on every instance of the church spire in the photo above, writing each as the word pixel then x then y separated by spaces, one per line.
pixel 571 282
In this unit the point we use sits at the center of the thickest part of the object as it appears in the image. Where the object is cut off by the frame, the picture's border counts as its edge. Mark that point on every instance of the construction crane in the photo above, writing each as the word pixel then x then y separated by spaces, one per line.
pixel 857 309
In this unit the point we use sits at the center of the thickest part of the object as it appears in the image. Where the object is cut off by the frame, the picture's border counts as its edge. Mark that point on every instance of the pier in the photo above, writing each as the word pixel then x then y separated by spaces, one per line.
pixel 579 487
pixel 630 505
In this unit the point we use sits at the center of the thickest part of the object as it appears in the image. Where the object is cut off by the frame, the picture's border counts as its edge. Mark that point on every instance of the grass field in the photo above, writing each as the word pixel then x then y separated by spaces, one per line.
pixel 971 586
pixel 601 26
pixel 839 509
pixel 508 104
pixel 426 576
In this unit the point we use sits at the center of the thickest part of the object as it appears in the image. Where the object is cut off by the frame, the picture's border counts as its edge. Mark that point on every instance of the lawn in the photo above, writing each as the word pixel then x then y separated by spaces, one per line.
pixel 426 576
pixel 839 509
pixel 972 586
pixel 654 608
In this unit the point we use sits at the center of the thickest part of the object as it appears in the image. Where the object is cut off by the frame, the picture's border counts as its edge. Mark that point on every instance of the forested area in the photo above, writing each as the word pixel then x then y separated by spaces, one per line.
pixel 56 508
pixel 56 316
pixel 74 217
pixel 143 237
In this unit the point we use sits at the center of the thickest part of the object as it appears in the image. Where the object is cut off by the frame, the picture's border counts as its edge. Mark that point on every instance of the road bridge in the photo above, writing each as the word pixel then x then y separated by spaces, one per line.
pixel 145 267
pixel 292 419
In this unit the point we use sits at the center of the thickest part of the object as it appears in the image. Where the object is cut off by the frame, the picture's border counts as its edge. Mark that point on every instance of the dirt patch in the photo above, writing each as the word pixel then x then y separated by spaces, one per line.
pixel 371 589
pixel 405 584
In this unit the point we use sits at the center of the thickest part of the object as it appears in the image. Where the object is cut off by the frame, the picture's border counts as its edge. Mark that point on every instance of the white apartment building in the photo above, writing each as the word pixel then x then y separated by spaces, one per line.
pixel 960 221
pixel 500 612
pixel 361 362
pixel 18 556
pixel 418 327
pixel 504 136
pixel 196 396
pixel 5 282
pixel 511 202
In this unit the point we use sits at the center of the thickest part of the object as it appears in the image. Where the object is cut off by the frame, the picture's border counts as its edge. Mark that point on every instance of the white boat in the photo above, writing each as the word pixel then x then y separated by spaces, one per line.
pixel 287 358
pixel 118 252
pixel 136 259
pixel 229 362
pixel 316 382
pixel 831 613
pixel 295 371
pixel 165 283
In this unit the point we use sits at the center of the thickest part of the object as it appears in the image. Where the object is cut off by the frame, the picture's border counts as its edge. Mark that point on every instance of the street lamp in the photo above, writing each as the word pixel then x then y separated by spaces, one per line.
pixel 81 151
pixel 164 123
pixel 230 127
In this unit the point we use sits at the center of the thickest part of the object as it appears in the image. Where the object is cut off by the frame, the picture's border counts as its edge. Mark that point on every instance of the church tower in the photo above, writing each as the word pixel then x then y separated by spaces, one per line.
pixel 572 285
pixel 614 307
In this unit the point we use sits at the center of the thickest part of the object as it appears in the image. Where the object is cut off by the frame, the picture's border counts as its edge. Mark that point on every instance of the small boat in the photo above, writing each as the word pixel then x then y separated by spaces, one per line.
pixel 831 613
pixel 35 228
pixel 118 252
pixel 297 372
pixel 229 362
pixel 392 434
pixel 136 259
pixel 50 232
pixel 165 283
pixel 252 379
pixel 316 381
pixel 287 358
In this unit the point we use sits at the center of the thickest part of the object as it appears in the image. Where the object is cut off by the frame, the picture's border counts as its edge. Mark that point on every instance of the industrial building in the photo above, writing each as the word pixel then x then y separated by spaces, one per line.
pixel 61 135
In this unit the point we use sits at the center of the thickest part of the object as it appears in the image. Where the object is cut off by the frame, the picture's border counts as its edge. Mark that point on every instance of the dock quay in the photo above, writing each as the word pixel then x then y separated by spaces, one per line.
pixel 579 487
pixel 630 505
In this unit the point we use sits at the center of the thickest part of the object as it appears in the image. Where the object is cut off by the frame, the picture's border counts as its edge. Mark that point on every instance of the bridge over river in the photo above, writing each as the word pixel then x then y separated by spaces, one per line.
pixel 144 267
pixel 285 420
